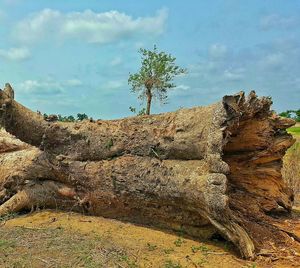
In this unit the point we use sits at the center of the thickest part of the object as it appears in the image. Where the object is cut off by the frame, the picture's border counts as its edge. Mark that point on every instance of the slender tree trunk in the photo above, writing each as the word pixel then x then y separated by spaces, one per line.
pixel 149 100
pixel 216 166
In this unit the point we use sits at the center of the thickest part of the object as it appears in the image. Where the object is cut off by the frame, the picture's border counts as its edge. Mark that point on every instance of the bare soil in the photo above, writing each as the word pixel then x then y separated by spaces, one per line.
pixel 61 239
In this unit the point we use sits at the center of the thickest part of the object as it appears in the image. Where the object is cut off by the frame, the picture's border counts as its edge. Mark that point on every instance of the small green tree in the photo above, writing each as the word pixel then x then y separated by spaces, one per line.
pixel 81 117
pixel 297 115
pixel 286 114
pixel 155 76
pixel 70 118
pixel 140 112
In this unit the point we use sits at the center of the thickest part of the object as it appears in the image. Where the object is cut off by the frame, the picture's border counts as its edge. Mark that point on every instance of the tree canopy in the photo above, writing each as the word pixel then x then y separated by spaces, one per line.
pixel 295 114
pixel 155 76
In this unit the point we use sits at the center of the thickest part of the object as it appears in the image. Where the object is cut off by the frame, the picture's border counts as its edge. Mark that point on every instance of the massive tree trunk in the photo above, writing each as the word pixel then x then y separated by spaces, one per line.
pixel 213 166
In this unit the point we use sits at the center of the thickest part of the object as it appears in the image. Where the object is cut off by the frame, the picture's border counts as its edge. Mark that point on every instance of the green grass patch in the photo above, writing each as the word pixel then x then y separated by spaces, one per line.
pixel 151 247
pixel 4 244
pixel 55 247
pixel 294 130
pixel 168 250
pixel 8 216
pixel 204 249
pixel 178 242
pixel 171 264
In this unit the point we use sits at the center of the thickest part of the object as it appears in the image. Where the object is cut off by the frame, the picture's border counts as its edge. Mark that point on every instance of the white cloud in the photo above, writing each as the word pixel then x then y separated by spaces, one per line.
pixel 234 75
pixel 116 61
pixel 273 60
pixel 48 86
pixel 203 68
pixel 277 21
pixel 40 87
pixel 217 50
pixel 179 90
pixel 73 83
pixel 15 54
pixel 88 26
pixel 182 87
pixel 114 85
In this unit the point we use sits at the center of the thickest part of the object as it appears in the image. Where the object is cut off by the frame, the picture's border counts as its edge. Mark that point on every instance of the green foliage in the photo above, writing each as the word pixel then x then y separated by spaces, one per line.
pixel 204 249
pixel 140 112
pixel 295 114
pixel 69 118
pixel 130 263
pixel 251 265
pixel 109 144
pixel 178 242
pixel 132 109
pixel 7 244
pixel 168 250
pixel 81 117
pixel 155 76
pixel 8 216
pixel 171 264
pixel 151 247
pixel 294 130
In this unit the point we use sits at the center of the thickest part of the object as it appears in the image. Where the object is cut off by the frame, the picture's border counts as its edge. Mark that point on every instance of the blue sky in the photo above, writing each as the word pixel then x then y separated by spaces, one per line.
pixel 72 56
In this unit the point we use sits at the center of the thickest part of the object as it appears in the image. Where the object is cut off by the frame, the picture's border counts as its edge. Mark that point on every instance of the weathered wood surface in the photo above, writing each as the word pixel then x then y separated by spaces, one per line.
pixel 215 167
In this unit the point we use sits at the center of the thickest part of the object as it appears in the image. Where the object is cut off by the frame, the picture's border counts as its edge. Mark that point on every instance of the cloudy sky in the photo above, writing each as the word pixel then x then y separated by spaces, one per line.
pixel 75 56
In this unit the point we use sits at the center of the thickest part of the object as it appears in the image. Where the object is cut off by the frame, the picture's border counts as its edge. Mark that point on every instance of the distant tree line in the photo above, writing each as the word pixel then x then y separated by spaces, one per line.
pixel 294 114
pixel 70 118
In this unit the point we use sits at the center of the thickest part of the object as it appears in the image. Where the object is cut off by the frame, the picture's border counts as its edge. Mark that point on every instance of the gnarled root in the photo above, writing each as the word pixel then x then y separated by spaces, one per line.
pixel 45 194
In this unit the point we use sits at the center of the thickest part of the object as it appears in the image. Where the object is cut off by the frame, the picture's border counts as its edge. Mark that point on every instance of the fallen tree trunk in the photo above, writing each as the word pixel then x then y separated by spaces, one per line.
pixel 206 166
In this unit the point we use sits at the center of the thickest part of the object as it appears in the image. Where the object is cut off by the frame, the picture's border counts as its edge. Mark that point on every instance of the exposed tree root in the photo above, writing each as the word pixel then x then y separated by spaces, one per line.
pixel 44 194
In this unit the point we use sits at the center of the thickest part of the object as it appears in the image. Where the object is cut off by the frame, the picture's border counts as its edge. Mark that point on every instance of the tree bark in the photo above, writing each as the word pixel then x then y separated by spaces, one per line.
pixel 214 167
pixel 149 100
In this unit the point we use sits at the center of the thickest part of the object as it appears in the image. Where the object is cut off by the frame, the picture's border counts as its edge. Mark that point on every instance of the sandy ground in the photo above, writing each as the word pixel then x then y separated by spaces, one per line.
pixel 110 243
